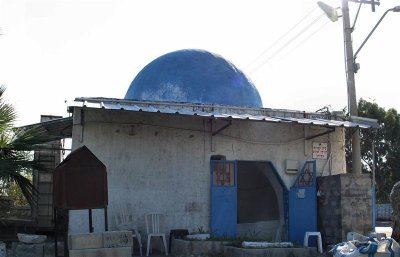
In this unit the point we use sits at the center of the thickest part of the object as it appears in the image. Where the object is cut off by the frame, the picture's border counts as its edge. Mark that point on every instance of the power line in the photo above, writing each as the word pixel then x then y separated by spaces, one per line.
pixel 280 38
pixel 308 37
pixel 286 44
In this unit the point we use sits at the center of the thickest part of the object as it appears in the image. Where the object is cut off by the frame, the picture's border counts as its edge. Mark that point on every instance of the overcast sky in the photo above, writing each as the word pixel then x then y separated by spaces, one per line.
pixel 53 50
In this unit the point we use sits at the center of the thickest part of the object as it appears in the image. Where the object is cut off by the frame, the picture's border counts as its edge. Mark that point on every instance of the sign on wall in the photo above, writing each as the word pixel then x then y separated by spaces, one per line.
pixel 320 150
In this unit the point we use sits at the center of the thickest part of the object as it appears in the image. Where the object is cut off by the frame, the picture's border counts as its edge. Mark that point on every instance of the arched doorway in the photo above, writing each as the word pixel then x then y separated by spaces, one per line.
pixel 248 200
pixel 260 197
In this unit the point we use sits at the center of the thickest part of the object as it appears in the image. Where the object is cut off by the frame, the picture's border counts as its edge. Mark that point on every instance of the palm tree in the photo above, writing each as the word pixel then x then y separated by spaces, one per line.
pixel 16 146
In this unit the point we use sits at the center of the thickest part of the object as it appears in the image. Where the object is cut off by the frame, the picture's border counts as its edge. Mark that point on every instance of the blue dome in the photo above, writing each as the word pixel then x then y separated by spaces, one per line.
pixel 194 76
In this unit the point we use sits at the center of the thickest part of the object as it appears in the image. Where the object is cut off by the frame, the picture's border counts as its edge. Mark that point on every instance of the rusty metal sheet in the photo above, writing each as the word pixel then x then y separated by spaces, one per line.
pixel 80 182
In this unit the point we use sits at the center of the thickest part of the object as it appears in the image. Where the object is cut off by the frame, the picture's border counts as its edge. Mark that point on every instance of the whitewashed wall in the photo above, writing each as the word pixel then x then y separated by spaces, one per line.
pixel 159 162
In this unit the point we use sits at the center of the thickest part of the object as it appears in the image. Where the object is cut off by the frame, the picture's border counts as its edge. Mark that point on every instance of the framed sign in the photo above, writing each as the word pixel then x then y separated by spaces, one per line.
pixel 320 150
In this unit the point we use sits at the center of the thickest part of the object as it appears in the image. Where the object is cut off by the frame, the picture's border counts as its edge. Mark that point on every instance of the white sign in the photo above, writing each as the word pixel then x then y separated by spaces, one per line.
pixel 320 150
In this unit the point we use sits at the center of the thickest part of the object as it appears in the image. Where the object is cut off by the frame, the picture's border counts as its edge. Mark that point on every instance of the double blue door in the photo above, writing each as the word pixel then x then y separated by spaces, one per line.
pixel 302 201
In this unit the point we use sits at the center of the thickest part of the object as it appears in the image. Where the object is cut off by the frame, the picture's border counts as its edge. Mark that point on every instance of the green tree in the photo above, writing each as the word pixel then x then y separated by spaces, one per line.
pixel 16 145
pixel 386 140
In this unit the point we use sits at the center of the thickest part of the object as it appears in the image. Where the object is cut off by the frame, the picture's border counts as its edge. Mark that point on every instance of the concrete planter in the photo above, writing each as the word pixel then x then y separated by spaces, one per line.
pixel 198 236
pixel 31 239
pixel 186 248
pixel 281 252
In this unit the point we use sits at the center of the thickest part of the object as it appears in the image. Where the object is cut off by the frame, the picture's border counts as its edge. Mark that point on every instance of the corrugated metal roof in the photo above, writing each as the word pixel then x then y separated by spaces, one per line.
pixel 217 111
pixel 53 129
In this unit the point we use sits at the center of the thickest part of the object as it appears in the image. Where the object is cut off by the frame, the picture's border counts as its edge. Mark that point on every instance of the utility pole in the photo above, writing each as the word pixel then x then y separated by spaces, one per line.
pixel 351 86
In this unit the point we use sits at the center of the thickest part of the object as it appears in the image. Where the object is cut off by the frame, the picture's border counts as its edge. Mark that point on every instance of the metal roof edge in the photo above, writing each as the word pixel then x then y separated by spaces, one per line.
pixel 102 100
pixel 218 111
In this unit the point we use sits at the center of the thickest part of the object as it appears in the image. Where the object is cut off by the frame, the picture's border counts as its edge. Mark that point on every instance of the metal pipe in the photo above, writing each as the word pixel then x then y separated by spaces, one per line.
pixel 55 232
pixel 90 221
pixel 373 187
pixel 355 19
pixel 105 219
pixel 372 31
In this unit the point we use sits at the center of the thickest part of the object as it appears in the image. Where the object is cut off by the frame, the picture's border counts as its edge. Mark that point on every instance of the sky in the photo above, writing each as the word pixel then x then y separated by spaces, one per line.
pixel 52 51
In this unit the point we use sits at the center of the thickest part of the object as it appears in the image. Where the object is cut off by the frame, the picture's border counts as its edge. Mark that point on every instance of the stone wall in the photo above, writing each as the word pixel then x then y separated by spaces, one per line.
pixel 356 204
pixel 329 209
pixel 344 205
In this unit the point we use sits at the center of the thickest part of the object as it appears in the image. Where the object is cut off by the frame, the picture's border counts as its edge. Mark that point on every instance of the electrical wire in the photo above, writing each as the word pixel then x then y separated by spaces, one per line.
pixel 280 38
pixel 286 44
pixel 306 39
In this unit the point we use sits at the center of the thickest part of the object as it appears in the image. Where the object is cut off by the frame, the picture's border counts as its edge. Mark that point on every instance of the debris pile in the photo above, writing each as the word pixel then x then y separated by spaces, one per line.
pixel 374 245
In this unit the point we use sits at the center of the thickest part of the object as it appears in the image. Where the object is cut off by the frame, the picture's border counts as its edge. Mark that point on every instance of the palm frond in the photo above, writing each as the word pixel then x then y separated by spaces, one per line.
pixel 7 116
pixel 27 140
pixel 2 90
pixel 11 170
pixel 15 151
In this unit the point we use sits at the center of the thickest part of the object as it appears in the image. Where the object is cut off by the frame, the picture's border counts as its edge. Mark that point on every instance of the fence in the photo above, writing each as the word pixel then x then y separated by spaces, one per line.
pixel 383 212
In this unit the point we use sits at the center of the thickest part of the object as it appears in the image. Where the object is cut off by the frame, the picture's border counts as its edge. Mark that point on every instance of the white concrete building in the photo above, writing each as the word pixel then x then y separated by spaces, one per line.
pixel 159 157
pixel 192 141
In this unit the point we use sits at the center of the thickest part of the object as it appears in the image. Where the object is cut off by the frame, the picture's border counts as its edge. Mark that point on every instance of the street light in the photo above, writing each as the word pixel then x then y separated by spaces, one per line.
pixel 394 9
pixel 351 69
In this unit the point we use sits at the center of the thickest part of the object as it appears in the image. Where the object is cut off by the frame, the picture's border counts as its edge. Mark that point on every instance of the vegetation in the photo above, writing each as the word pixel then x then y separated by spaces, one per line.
pixel 16 162
pixel 386 140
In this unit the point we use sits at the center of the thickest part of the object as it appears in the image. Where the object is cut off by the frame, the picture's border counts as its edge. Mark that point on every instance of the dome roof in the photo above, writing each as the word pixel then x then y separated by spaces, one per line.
pixel 194 76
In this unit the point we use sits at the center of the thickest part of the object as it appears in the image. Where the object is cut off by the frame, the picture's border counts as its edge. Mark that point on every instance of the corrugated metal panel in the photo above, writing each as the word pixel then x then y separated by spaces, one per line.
pixel 225 112
pixel 54 129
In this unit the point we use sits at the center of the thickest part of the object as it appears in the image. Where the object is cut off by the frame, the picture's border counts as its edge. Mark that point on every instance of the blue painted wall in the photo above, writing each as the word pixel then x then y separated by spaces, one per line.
pixel 194 76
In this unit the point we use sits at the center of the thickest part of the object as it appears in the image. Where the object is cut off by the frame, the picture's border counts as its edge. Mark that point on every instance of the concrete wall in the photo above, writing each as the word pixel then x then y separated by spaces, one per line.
pixel 344 205
pixel 160 162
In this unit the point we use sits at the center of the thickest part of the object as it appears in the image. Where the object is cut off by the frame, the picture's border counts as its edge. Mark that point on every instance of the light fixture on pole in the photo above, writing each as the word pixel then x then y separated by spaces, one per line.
pixel 352 67
pixel 351 89
pixel 394 9
pixel 329 11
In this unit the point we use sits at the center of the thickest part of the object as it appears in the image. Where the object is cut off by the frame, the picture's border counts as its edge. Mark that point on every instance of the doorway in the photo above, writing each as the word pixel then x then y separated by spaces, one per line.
pixel 247 200
pixel 260 201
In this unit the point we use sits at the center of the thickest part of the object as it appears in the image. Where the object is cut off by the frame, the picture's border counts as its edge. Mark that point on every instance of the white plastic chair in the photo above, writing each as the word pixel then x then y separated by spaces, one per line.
pixel 319 239
pixel 153 230
pixel 124 221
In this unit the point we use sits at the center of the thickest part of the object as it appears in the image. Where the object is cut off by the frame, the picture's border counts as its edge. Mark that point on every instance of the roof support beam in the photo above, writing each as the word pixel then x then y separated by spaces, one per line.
pixel 213 133
pixel 330 130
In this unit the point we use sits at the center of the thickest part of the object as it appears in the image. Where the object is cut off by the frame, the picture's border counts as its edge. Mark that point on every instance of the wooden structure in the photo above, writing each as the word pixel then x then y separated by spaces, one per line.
pixel 80 182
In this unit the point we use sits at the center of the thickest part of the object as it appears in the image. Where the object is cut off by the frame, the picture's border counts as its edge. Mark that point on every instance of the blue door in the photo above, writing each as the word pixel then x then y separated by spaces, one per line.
pixel 303 203
pixel 223 198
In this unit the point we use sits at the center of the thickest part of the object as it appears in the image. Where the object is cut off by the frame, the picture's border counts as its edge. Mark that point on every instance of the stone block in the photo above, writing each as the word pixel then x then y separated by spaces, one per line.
pixel 31 238
pixel 102 252
pixel 85 241
pixel 28 250
pixel 2 249
pixel 282 252
pixel 117 239
pixel 185 248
